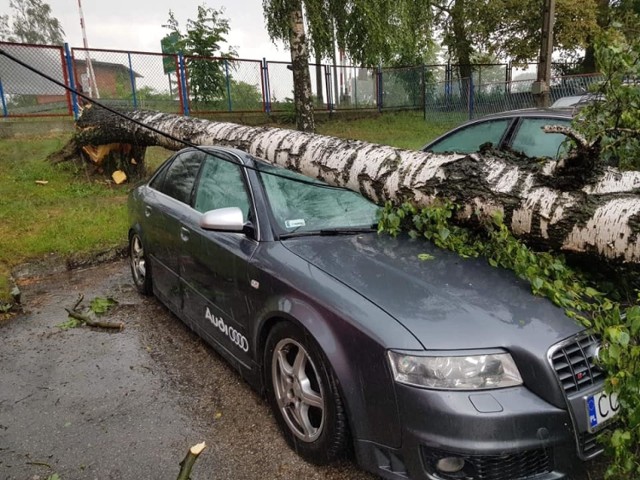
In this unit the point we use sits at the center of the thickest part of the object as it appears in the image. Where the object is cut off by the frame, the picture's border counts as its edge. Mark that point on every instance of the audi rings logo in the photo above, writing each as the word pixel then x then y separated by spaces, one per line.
pixel 232 334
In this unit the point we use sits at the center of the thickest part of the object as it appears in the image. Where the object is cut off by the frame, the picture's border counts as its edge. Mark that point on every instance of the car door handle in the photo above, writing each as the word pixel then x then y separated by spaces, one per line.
pixel 184 234
pixel 147 211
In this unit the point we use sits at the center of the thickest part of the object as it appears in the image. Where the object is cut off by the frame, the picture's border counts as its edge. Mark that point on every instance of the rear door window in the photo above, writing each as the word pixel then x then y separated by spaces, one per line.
pixel 533 142
pixel 181 175
pixel 468 139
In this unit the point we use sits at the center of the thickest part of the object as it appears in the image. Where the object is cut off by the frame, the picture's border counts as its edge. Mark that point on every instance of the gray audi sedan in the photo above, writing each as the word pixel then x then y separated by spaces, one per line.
pixel 438 369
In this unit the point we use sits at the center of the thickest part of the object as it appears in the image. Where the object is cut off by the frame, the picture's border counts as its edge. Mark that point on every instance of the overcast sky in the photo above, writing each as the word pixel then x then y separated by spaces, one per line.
pixel 137 24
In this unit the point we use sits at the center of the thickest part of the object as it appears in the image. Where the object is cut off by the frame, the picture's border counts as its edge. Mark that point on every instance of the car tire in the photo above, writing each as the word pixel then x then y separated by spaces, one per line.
pixel 140 267
pixel 302 391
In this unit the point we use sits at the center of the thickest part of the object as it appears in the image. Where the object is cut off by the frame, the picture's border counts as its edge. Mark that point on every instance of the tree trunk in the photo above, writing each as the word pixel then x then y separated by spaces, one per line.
pixel 301 76
pixel 566 206
pixel 462 48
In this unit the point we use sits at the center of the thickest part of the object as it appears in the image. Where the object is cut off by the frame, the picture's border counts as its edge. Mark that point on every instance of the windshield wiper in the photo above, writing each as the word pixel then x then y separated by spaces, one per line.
pixel 348 230
pixel 330 231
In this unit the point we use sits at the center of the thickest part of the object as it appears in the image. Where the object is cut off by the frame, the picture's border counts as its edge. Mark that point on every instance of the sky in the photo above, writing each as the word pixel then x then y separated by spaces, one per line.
pixel 137 24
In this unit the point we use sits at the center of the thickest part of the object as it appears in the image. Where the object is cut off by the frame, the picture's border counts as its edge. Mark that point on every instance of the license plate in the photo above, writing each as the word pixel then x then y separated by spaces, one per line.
pixel 601 407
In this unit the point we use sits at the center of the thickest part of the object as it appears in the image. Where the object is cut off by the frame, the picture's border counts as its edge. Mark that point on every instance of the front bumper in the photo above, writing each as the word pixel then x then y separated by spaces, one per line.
pixel 502 434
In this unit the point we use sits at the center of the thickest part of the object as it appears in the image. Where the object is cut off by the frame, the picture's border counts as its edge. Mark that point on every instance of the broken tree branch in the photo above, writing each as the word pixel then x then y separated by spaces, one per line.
pixel 187 464
pixel 94 323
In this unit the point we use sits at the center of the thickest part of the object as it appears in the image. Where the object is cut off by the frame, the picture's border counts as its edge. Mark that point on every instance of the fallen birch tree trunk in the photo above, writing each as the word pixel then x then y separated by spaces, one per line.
pixel 594 214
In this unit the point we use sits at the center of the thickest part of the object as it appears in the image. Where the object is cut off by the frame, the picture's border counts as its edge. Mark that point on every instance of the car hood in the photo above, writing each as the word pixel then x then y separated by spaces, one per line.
pixel 447 302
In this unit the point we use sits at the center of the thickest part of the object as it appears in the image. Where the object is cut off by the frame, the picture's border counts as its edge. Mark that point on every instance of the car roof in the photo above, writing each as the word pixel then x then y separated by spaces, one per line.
pixel 569 101
pixel 528 112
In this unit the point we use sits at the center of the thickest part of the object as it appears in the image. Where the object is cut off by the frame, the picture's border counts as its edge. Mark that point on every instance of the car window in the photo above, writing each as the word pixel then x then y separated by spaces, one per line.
pixel 307 207
pixel 181 175
pixel 221 185
pixel 533 142
pixel 158 178
pixel 468 139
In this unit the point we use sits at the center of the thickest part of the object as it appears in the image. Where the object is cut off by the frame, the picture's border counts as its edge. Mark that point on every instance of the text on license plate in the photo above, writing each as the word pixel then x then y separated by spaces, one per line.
pixel 601 407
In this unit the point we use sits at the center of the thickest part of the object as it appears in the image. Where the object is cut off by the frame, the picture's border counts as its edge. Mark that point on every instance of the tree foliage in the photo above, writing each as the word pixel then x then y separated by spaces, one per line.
pixel 612 117
pixel 202 40
pixel 510 29
pixel 370 32
pixel 31 22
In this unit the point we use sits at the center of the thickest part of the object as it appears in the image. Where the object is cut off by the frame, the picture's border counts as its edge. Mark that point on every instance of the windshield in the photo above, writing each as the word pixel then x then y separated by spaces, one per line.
pixel 304 207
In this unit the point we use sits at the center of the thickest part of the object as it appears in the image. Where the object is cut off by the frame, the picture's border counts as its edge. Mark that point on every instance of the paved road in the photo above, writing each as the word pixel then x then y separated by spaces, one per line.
pixel 94 404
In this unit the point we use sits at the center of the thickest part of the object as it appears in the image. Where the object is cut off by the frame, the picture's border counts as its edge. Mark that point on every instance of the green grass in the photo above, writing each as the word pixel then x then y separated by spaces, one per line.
pixel 70 214
pixel 73 214
pixel 403 129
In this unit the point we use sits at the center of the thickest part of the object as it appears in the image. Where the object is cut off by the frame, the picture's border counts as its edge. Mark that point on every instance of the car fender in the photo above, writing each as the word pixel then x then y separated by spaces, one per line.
pixel 345 348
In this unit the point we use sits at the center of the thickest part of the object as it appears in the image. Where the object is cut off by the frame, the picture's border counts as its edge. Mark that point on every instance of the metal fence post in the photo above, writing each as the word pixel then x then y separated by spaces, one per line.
pixel 327 76
pixel 355 86
pixel 424 91
pixel 226 71
pixel 266 94
pixel 471 97
pixel 183 81
pixel 5 112
pixel 72 82
pixel 132 78
pixel 379 84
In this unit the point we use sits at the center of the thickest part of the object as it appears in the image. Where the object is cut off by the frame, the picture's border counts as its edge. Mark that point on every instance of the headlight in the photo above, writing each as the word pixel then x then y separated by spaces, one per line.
pixel 470 372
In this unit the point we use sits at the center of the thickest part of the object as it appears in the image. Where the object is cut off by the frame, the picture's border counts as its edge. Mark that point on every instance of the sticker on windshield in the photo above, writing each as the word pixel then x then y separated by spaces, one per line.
pixel 299 222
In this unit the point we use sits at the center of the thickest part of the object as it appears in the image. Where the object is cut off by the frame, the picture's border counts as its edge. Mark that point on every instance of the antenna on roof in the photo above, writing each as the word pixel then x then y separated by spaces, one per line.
pixel 93 86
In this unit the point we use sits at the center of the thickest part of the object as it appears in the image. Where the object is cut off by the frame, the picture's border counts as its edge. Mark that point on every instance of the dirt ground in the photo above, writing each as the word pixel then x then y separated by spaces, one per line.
pixel 88 403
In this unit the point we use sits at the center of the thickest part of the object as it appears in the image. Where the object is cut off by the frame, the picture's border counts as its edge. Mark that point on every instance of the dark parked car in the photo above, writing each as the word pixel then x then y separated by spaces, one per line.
pixel 439 369
pixel 520 130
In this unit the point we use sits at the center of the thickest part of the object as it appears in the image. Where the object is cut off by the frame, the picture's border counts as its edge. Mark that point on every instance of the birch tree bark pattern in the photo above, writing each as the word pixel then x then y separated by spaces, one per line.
pixel 598 217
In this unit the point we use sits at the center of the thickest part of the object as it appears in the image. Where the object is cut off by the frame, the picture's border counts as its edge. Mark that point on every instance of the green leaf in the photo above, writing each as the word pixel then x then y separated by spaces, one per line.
pixel 425 256
pixel 100 305
pixel 623 338
pixel 537 283
pixel 70 323
pixel 633 319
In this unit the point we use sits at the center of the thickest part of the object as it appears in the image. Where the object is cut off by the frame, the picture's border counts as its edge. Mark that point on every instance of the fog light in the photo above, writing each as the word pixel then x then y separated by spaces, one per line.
pixel 450 464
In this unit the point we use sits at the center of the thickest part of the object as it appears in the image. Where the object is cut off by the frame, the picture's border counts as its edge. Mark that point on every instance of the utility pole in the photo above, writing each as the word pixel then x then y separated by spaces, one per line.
pixel 540 87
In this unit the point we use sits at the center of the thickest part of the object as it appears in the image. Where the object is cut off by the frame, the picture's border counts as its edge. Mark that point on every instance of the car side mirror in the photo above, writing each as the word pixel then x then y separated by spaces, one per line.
pixel 228 219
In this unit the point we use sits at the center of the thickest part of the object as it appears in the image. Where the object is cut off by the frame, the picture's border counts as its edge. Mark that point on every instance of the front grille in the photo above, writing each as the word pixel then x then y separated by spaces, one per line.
pixel 588 444
pixel 513 466
pixel 575 365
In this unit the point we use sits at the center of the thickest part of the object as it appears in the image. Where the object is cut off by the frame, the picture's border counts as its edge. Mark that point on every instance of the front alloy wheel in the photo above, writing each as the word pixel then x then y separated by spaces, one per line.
pixel 298 390
pixel 304 397
pixel 140 270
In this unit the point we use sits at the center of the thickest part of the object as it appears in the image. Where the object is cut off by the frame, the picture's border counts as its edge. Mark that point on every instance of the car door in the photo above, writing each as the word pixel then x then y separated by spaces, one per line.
pixel 214 266
pixel 165 207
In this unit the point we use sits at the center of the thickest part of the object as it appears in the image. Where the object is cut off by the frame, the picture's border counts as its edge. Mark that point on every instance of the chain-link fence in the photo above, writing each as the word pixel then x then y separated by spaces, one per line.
pixel 25 93
pixel 223 85
pixel 202 85
pixel 136 80
pixel 463 99
pixel 333 87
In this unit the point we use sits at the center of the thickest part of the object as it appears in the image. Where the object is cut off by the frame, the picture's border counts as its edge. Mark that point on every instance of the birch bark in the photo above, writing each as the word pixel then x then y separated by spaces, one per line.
pixel 598 217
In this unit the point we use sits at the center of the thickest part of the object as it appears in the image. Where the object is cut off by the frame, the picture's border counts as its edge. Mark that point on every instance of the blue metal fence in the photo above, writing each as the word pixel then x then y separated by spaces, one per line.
pixel 200 85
